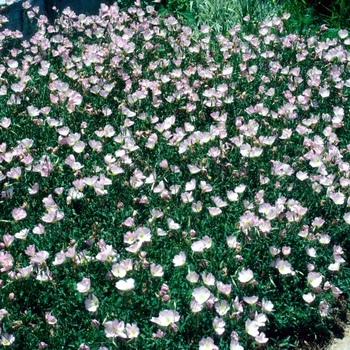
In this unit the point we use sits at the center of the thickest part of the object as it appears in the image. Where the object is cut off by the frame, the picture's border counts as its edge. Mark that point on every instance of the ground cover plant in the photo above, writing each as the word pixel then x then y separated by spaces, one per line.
pixel 163 190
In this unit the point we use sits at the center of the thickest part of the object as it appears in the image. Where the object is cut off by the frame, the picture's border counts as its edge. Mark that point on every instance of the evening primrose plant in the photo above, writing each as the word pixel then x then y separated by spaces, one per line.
pixel 159 194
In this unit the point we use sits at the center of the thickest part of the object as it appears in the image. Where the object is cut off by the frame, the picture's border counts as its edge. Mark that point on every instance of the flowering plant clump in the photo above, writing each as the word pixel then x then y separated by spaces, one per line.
pixel 161 189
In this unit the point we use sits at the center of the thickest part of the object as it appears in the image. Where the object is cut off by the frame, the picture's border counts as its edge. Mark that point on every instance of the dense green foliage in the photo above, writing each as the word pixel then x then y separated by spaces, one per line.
pixel 164 187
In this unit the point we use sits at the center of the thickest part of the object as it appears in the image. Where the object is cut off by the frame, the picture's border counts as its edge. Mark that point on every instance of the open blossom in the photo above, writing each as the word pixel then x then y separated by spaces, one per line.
pixel 132 331
pixel 53 216
pixel 201 294
pixel 198 246
pixel 251 300
pixel 267 306
pixel 192 277
pixel 309 297
pixel 115 329
pixel 219 325
pixel 252 328
pixel 125 285
pixel 207 344
pixel 84 285
pixel 245 275
pixel 284 267
pixel 91 303
pixel 156 270
pixel 234 345
pixel 18 214
pixel 118 270
pixel 261 338
pixel 39 257
pixel 166 318
pixel 7 339
pixel 179 259
pixel 314 279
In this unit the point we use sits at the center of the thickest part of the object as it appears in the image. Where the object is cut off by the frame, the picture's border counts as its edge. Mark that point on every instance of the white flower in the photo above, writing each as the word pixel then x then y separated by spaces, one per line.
pixel 192 277
pixel 222 307
pixel 166 317
pixel 232 241
pixel 232 196
pixel 234 345
pixel 179 259
pixel 251 300
pixel 156 270
pixel 324 239
pixel 115 329
pixel 346 217
pixel 84 285
pixel 240 188
pixel 309 297
pixel 91 303
pixel 125 285
pixel 118 270
pixel 195 307
pixel 172 224
pixel 201 294
pixel 252 328
pixel 261 338
pixel 7 339
pixel 245 275
pixel 266 306
pixel 284 267
pixel 334 267
pixel 219 325
pixel 314 279
pixel 198 246
pixel 132 330
pixel 207 344
pixel 311 252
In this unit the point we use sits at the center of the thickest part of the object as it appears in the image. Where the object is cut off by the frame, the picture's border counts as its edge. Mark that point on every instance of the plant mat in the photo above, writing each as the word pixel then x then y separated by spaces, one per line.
pixel 334 328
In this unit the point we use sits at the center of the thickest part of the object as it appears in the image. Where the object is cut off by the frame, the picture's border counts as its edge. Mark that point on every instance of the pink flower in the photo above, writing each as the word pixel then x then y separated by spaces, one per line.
pixel 18 214
pixel 53 216
pixel 39 257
